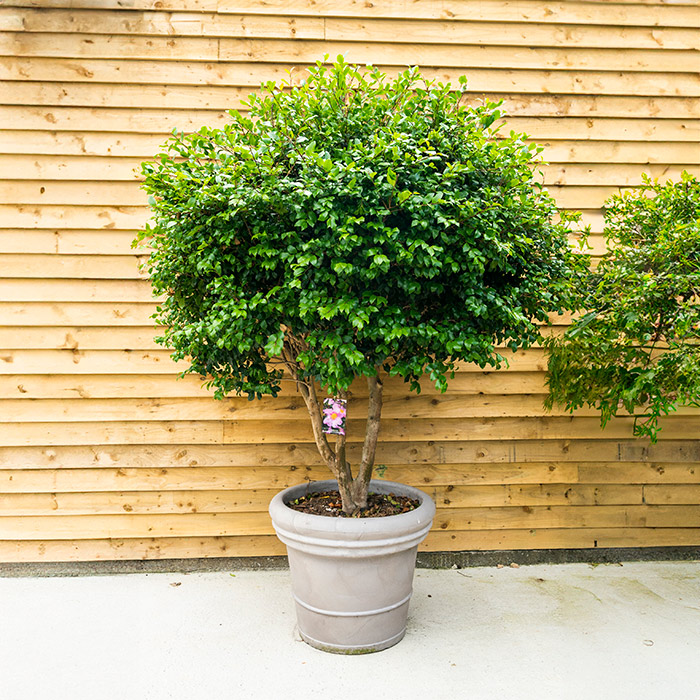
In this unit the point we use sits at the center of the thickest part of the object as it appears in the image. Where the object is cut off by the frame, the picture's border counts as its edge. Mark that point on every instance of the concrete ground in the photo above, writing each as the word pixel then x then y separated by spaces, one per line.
pixel 551 632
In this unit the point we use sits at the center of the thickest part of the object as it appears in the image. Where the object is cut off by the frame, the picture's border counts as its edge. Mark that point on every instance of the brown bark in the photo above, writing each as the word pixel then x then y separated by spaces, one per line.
pixel 353 492
pixel 369 448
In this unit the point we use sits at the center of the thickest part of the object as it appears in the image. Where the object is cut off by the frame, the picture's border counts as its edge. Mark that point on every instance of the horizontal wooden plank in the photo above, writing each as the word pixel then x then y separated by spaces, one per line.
pixel 142 147
pixel 75 314
pixel 146 122
pixel 254 523
pixel 621 12
pixel 128 525
pixel 105 168
pixel 257 500
pixel 61 167
pixel 24 44
pixel 137 502
pixel 126 194
pixel 196 432
pixel 105 218
pixel 91 143
pixel 104 290
pixel 434 479
pixel 68 242
pixel 570 538
pixel 249 76
pixel 262 432
pixel 138 548
pixel 268 545
pixel 652 13
pixel 629 153
pixel 108 119
pixel 672 494
pixel 561 517
pixel 545 428
pixel 63 386
pixel 221 98
pixel 91 338
pixel 252 500
pixel 600 461
pixel 192 5
pixel 510 32
pixel 43 216
pixel 77 361
pixel 407 406
pixel 654 473
pixel 70 361
pixel 76 267
pixel 181 24
pixel 72 192
pixel 399 405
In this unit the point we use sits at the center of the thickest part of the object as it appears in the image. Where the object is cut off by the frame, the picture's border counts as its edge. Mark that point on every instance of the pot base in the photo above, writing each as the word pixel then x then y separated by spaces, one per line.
pixel 349 650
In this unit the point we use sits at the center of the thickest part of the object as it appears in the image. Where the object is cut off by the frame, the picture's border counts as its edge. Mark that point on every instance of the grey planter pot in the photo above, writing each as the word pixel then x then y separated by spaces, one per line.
pixel 352 578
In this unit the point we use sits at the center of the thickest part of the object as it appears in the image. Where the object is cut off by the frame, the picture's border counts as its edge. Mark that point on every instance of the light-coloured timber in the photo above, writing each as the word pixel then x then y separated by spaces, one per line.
pixel 79 361
pixel 25 44
pixel 106 454
pixel 36 196
pixel 260 432
pixel 150 121
pixel 443 479
pixel 601 461
pixel 249 76
pixel 510 34
pixel 222 98
pixel 584 538
pixel 67 242
pixel 403 405
pixel 465 31
pixel 107 168
pixel 672 494
pixel 178 24
pixel 86 267
pixel 241 546
pixel 91 338
pixel 137 502
pixel 57 386
pixel 33 216
pixel 256 523
pixel 646 12
pixel 74 314
pixel 104 290
pixel 257 500
pixel 76 361
pixel 192 5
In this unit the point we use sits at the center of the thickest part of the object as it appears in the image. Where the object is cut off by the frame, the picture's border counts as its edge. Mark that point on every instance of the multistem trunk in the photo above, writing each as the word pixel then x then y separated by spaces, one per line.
pixel 353 491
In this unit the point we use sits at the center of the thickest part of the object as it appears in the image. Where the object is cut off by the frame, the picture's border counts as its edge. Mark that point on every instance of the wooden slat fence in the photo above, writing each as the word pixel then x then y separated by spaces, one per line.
pixel 105 454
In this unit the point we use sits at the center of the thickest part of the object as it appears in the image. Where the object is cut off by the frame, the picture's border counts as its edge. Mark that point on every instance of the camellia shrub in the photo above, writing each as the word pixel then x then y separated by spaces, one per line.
pixel 351 226
pixel 637 349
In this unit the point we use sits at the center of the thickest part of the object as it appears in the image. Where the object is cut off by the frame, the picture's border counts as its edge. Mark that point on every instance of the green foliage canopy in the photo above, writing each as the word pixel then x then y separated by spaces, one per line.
pixel 368 223
pixel 638 347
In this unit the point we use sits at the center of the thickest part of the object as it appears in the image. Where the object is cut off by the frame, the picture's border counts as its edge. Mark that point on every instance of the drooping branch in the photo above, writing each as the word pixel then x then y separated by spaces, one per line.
pixel 308 393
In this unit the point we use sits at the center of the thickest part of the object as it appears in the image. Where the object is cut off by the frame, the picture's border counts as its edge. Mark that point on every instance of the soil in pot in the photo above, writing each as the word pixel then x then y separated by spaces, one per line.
pixel 328 503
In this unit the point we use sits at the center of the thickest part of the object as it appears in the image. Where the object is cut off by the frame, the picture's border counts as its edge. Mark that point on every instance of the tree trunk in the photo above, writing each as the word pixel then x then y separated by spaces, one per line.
pixel 353 492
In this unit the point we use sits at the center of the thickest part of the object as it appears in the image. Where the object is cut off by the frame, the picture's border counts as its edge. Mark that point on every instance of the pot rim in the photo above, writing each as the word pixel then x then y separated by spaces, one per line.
pixel 320 527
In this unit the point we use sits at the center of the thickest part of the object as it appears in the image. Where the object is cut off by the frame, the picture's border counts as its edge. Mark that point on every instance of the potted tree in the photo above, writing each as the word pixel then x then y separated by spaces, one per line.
pixel 348 228
pixel 636 349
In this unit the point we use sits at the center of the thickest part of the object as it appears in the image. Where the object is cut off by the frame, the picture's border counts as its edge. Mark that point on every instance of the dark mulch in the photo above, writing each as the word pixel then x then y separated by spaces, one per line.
pixel 328 503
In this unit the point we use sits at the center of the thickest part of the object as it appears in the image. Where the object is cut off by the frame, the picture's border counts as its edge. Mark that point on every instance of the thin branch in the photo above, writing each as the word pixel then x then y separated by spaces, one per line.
pixel 374 412
pixel 308 393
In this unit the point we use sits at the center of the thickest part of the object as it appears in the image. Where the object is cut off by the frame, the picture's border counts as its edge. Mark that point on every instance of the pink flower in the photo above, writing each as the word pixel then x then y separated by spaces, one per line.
pixel 334 415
